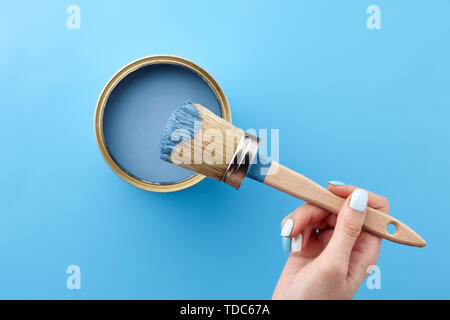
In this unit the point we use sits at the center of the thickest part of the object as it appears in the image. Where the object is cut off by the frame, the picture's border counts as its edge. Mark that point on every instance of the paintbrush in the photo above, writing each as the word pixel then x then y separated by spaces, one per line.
pixel 196 139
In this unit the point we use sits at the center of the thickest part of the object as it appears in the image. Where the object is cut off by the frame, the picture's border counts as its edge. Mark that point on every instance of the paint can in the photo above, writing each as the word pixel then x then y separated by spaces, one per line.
pixel 133 108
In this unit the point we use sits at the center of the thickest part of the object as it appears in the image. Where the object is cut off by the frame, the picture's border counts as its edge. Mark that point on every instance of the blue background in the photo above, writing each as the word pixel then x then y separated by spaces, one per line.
pixel 368 107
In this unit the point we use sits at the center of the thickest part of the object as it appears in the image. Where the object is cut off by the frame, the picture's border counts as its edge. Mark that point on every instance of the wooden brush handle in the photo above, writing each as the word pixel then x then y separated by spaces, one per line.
pixel 376 222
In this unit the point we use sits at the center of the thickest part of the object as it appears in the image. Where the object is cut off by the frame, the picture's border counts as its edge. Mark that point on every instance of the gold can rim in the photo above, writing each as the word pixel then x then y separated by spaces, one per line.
pixel 103 99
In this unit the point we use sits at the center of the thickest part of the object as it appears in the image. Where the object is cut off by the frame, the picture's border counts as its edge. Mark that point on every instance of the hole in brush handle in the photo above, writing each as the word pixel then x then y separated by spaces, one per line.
pixel 377 222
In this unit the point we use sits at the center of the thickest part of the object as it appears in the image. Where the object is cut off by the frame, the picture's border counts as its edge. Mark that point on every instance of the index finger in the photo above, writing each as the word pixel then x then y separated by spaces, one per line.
pixel 303 216
pixel 375 200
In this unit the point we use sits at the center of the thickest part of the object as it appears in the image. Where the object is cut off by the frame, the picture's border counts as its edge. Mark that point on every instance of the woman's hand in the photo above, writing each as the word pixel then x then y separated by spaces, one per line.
pixel 330 255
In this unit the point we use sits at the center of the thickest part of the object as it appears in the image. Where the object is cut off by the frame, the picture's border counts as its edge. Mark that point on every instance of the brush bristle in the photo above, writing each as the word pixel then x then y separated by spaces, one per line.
pixel 196 139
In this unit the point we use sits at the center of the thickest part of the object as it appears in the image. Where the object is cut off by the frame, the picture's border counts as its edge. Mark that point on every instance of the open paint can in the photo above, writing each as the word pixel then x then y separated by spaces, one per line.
pixel 133 108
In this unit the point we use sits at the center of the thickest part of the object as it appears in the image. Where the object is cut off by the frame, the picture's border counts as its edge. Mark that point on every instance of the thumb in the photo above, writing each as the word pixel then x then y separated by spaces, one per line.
pixel 348 227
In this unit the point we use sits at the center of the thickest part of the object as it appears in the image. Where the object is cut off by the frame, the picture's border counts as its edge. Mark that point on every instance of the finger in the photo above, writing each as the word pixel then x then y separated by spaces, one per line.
pixel 365 253
pixel 308 235
pixel 325 236
pixel 296 222
pixel 348 227
pixel 331 220
pixel 324 225
pixel 367 247
pixel 343 190
pixel 301 217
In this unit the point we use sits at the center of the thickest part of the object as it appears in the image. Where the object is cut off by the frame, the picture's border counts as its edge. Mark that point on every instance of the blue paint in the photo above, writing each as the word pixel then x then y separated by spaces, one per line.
pixel 186 118
pixel 138 109
pixel 259 169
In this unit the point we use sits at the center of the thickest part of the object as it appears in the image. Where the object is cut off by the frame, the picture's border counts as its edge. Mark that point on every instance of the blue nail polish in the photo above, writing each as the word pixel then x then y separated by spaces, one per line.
pixel 287 228
pixel 336 183
pixel 286 244
pixel 359 199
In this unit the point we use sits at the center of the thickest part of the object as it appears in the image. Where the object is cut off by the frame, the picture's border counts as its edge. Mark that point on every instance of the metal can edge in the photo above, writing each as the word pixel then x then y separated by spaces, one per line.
pixel 101 104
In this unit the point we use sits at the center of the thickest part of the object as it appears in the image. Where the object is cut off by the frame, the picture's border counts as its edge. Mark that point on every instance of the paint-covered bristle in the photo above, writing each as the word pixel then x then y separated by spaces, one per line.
pixel 184 118
pixel 196 139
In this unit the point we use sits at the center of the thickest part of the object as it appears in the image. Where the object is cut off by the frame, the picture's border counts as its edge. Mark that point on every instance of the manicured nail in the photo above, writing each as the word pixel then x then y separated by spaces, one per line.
pixel 359 199
pixel 287 228
pixel 286 244
pixel 336 183
pixel 297 243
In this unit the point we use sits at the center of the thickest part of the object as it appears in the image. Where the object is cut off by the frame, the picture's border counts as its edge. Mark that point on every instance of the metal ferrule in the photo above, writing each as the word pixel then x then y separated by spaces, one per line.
pixel 242 160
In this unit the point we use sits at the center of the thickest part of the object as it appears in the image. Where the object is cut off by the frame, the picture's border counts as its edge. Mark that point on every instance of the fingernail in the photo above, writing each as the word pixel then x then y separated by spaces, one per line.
pixel 286 244
pixel 359 199
pixel 287 228
pixel 297 243
pixel 336 183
